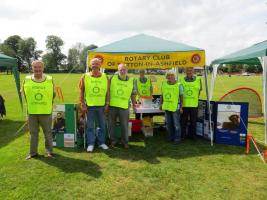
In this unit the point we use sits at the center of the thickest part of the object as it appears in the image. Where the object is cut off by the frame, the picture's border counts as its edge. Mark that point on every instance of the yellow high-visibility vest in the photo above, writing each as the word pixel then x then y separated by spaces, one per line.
pixel 120 92
pixel 95 89
pixel 170 95
pixel 144 88
pixel 39 95
pixel 191 92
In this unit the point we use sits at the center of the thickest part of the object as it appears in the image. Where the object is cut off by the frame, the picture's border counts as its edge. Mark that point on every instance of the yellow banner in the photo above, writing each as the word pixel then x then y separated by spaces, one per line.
pixel 150 60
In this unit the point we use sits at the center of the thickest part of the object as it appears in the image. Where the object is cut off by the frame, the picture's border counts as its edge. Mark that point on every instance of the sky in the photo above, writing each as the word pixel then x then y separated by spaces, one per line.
pixel 218 26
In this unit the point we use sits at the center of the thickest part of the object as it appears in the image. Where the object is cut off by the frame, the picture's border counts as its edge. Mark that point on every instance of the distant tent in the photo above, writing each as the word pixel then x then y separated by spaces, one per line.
pixel 9 62
pixel 246 95
pixel 255 54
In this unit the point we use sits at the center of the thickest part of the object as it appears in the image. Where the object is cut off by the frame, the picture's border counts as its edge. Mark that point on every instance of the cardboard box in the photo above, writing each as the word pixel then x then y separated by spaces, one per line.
pixel 147 131
pixel 147 121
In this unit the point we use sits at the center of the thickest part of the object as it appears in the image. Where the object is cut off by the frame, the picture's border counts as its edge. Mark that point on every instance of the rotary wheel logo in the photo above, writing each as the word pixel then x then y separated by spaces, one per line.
pixel 189 93
pixel 120 92
pixel 143 91
pixel 168 96
pixel 96 90
pixel 195 58
pixel 38 97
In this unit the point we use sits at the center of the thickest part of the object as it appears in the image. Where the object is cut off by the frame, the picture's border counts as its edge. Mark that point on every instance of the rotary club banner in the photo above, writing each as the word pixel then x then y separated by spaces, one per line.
pixel 150 60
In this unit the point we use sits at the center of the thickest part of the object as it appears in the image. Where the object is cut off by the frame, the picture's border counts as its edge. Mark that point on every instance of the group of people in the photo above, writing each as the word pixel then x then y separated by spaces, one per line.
pixel 180 98
pixel 104 100
pixel 100 95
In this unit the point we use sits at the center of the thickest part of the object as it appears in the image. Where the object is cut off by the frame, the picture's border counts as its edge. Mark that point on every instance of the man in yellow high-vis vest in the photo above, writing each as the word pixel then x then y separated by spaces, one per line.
pixel 93 94
pixel 144 89
pixel 38 90
pixel 171 102
pixel 121 91
pixel 144 85
pixel 192 88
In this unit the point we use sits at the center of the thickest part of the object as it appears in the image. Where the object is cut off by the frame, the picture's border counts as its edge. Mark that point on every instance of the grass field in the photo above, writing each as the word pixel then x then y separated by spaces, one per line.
pixel 151 169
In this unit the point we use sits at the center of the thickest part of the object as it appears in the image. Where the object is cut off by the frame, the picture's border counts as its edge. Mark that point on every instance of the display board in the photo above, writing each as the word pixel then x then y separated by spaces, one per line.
pixel 202 129
pixel 64 125
pixel 232 121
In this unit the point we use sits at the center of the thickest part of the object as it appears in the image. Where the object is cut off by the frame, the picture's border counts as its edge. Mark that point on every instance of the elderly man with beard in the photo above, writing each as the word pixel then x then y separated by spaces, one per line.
pixel 121 91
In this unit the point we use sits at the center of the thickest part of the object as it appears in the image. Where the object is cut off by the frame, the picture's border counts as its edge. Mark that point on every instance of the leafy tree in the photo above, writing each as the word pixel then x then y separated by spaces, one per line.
pixel 235 68
pixel 259 69
pixel 13 42
pixel 77 56
pixel 84 53
pixel 10 47
pixel 54 58
pixel 253 68
pixel 73 59
pixel 27 50
pixel 5 49
pixel 22 49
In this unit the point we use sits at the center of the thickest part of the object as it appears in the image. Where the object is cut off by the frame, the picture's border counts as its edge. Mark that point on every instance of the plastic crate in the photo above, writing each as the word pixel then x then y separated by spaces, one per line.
pixel 136 125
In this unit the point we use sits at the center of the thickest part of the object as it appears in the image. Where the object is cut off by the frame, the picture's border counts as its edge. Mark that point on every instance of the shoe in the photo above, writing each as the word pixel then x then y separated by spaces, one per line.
pixel 126 146
pixel 112 145
pixel 103 146
pixel 50 155
pixel 31 156
pixel 90 148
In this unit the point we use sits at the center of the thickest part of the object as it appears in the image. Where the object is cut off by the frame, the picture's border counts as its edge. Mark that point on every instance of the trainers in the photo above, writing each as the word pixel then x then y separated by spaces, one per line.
pixel 90 148
pixel 50 155
pixel 112 145
pixel 31 156
pixel 103 146
pixel 126 146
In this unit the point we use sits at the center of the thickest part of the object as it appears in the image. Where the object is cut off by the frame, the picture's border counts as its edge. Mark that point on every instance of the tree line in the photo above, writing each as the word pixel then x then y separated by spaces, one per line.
pixel 25 50
pixel 238 68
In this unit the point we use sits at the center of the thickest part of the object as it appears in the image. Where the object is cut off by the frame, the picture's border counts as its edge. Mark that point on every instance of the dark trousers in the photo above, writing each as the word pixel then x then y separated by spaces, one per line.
pixel 189 115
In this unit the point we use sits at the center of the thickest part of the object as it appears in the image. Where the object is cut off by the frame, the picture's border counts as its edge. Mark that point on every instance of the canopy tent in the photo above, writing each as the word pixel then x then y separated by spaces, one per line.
pixel 9 62
pixel 149 52
pixel 255 54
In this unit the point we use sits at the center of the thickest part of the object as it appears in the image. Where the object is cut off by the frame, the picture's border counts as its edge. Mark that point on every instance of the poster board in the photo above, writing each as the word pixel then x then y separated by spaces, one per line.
pixel 202 128
pixel 232 122
pixel 64 125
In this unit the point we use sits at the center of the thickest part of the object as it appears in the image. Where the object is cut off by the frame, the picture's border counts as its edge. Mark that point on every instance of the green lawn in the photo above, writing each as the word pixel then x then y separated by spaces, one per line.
pixel 151 169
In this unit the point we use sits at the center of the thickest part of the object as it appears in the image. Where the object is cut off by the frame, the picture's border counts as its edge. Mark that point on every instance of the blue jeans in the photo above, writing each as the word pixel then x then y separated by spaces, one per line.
pixel 95 114
pixel 173 125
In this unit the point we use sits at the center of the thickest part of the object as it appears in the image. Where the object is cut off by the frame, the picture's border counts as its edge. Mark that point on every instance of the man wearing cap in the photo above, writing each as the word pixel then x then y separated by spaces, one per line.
pixel 192 88
pixel 39 93
pixel 93 94
pixel 121 90
pixel 144 89
pixel 171 102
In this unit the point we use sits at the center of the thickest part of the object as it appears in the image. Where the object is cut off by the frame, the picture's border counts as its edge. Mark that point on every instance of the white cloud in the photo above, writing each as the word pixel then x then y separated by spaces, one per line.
pixel 218 26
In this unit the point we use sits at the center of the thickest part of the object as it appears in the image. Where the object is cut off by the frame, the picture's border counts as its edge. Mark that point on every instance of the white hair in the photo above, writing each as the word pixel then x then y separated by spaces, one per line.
pixel 170 72
pixel 37 61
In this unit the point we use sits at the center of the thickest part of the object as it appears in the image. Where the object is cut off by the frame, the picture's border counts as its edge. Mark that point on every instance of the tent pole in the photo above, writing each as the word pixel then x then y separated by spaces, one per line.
pixel 264 67
pixel 213 78
pixel 17 80
pixel 208 105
